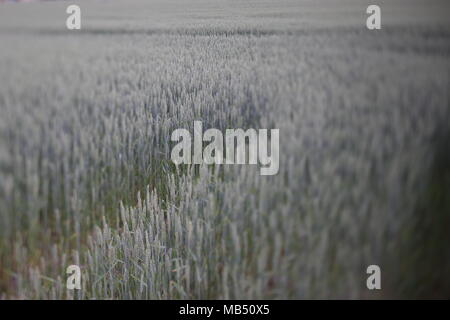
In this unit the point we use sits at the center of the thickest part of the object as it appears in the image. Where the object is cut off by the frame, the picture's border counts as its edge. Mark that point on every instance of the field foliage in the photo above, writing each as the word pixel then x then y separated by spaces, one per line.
pixel 85 171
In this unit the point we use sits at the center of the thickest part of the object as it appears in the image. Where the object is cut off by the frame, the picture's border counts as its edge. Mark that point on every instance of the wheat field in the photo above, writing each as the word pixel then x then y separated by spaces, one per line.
pixel 85 171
